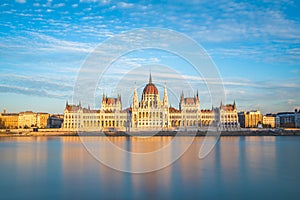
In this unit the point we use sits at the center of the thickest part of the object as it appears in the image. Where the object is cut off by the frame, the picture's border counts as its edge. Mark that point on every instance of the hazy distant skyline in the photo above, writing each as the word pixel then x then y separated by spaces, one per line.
pixel 255 45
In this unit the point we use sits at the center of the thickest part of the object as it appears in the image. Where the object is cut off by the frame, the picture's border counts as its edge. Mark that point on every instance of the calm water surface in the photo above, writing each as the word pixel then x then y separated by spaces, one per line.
pixel 237 168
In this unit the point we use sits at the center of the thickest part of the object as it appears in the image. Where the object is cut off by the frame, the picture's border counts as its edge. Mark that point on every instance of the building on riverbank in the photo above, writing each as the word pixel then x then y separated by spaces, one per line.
pixel 55 121
pixel 149 113
pixel 31 119
pixel 25 119
pixel 9 120
pixel 285 120
pixel 269 121
pixel 250 119
pixel 297 118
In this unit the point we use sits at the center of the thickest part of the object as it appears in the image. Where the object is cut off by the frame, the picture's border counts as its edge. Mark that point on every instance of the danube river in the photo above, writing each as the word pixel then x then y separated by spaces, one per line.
pixel 237 168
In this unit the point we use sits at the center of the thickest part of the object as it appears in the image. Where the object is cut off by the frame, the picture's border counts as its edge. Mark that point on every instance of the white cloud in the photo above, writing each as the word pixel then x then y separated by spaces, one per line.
pixel 125 5
pixel 95 1
pixel 21 1
pixel 59 5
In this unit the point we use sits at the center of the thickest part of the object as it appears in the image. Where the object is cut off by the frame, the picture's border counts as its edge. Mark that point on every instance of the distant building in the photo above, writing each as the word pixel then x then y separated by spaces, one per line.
pixel 9 120
pixel 27 119
pixel 227 116
pixel 42 120
pixel 250 119
pixel 297 118
pixel 269 121
pixel 55 121
pixel 285 120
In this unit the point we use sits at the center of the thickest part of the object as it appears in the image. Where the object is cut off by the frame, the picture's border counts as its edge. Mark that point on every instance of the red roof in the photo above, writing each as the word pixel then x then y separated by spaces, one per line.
pixel 227 107
pixel 190 100
pixel 173 110
pixel 110 100
pixel 72 108
pixel 150 89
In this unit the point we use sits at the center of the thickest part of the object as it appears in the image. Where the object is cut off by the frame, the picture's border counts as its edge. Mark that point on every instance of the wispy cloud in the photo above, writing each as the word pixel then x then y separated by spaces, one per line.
pixel 59 5
pixel 125 5
pixel 37 86
pixel 21 1
pixel 35 41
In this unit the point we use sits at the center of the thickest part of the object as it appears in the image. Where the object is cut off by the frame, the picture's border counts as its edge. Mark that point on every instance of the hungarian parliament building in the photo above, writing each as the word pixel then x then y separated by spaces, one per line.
pixel 150 113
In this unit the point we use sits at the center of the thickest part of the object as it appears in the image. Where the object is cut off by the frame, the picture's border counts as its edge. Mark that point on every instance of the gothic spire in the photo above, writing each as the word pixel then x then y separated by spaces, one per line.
pixel 165 98
pixel 150 78
pixel 234 104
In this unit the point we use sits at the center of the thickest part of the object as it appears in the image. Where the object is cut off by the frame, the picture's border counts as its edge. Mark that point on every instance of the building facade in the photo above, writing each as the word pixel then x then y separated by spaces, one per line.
pixel 42 120
pixel 55 121
pixel 9 120
pixel 269 121
pixel 250 119
pixel 297 118
pixel 149 113
pixel 227 117
pixel 25 119
pixel 285 120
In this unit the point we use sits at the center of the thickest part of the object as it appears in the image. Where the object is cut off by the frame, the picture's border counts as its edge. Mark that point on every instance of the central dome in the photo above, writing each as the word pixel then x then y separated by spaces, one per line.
pixel 150 87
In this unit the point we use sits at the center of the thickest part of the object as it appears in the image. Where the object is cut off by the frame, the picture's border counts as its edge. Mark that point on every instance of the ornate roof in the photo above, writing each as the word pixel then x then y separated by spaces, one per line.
pixel 227 107
pixel 190 100
pixel 73 107
pixel 173 110
pixel 150 87
pixel 111 100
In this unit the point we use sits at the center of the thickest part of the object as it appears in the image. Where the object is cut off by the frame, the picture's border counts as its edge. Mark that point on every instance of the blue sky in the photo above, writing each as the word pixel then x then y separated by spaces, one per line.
pixel 254 44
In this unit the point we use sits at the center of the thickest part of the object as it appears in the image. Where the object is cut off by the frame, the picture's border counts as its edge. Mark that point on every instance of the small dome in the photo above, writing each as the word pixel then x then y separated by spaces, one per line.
pixel 150 89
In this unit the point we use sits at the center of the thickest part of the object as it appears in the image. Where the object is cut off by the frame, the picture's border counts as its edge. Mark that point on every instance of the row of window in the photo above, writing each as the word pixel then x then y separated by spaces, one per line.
pixel 95 117
pixel 95 124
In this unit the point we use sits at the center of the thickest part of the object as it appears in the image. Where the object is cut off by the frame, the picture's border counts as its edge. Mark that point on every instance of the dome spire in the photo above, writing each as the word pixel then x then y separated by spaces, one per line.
pixel 150 78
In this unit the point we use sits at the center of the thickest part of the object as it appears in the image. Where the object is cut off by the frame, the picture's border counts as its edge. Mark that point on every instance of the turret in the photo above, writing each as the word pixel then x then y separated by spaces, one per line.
pixel 182 96
pixel 135 101
pixel 165 98
pixel 234 105
pixel 197 96
pixel 150 78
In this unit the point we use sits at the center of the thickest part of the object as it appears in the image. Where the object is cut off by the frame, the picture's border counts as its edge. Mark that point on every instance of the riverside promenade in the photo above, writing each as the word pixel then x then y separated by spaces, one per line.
pixel 202 132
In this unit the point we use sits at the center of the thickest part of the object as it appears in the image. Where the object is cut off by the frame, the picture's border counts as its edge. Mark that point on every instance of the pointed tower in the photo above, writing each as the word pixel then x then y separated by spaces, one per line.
pixel 182 96
pixel 197 96
pixel 103 100
pixel 181 100
pixel 150 78
pixel 135 101
pixel 234 105
pixel 197 101
pixel 165 98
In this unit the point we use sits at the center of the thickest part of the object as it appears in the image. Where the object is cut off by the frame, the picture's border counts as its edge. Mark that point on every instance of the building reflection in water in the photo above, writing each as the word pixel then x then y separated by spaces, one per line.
pixel 62 167
pixel 260 156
